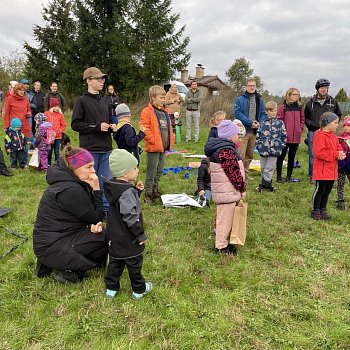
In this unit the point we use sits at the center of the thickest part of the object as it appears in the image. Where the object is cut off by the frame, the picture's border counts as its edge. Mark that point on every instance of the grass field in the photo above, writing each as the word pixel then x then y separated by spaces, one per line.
pixel 287 289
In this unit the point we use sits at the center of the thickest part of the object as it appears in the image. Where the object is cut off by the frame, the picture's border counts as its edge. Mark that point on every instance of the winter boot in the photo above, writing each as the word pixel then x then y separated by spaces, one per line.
pixel 324 215
pixel 316 214
pixel 149 199
pixel 269 187
pixel 280 180
pixel 340 204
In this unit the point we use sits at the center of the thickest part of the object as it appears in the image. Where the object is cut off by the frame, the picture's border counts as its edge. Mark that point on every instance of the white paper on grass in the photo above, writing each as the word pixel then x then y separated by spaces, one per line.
pixel 201 156
pixel 179 200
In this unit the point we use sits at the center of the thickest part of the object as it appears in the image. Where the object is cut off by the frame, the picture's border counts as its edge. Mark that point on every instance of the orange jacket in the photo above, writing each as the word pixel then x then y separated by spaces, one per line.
pixel 57 121
pixel 153 138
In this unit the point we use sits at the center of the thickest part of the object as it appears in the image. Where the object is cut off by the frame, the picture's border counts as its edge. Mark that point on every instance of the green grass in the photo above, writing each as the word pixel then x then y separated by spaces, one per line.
pixel 287 289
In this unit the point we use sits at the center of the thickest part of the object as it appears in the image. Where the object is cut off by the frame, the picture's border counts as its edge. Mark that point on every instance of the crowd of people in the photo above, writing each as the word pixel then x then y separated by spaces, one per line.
pixel 93 183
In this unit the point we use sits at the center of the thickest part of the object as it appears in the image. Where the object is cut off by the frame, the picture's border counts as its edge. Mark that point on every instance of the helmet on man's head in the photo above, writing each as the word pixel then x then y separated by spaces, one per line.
pixel 322 82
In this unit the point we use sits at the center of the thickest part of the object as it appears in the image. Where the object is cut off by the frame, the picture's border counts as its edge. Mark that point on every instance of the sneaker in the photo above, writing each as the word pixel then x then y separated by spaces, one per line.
pixel 42 270
pixel 315 214
pixel 111 293
pixel 138 296
pixel 324 215
pixel 5 172
pixel 259 188
pixel 232 250
pixel 67 276
pixel 292 179
pixel 280 180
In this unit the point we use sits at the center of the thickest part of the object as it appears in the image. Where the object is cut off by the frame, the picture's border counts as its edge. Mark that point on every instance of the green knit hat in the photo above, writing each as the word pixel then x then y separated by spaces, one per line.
pixel 121 162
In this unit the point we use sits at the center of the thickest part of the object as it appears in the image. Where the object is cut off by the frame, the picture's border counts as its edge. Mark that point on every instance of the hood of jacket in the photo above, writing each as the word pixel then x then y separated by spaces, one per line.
pixel 214 145
pixel 60 173
pixel 114 188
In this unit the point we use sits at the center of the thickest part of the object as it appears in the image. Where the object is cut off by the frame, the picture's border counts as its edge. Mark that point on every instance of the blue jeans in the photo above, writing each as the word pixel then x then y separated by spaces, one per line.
pixel 310 135
pixel 103 171
pixel 56 148
pixel 208 195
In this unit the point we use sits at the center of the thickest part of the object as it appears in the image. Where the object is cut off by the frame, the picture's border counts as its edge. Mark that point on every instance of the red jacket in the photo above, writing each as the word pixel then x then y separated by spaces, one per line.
pixel 153 137
pixel 57 121
pixel 326 147
pixel 18 106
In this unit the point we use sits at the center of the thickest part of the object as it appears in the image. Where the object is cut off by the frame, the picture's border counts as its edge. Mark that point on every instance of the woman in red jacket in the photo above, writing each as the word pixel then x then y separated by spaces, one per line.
pixel 292 114
pixel 17 106
pixel 327 151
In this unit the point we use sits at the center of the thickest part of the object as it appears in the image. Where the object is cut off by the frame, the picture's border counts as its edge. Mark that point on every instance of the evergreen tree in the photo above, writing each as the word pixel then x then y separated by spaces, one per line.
pixel 341 96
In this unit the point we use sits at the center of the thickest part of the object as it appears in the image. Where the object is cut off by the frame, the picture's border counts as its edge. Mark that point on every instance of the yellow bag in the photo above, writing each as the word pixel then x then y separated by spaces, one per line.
pixel 239 224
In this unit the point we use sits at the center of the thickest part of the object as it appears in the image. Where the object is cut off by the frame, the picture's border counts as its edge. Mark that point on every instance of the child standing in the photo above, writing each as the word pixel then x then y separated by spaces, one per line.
pixel 271 139
pixel 159 137
pixel 125 136
pixel 327 151
pixel 55 116
pixel 125 231
pixel 43 143
pixel 227 182
pixel 215 121
pixel 343 165
pixel 15 143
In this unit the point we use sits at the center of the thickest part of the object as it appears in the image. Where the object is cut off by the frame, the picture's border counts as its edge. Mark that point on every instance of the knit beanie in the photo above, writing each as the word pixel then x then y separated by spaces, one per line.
pixel 121 162
pixel 54 102
pixel 15 123
pixel 227 129
pixel 122 110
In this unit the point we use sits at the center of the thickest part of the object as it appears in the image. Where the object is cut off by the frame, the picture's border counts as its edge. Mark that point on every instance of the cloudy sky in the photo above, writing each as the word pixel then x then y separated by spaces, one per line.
pixel 288 43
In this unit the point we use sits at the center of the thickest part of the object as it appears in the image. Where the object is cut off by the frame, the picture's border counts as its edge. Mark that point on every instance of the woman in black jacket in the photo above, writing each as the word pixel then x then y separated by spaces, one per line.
pixel 68 235
pixel 113 100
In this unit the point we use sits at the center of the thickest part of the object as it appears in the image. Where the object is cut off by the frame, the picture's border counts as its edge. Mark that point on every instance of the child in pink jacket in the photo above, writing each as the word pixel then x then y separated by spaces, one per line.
pixel 228 184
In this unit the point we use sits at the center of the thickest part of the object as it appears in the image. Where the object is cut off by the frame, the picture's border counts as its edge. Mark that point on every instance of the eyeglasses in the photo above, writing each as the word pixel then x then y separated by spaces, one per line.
pixel 295 94
pixel 98 79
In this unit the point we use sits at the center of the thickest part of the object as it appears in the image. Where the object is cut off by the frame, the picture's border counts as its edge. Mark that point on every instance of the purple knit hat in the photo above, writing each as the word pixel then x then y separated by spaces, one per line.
pixel 227 129
pixel 80 159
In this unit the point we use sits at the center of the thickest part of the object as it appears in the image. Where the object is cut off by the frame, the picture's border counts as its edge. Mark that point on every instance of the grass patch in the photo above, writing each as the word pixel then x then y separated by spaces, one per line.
pixel 287 289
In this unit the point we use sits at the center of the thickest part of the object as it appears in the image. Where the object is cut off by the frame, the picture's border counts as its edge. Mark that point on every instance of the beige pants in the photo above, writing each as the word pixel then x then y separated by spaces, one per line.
pixel 246 149
pixel 224 218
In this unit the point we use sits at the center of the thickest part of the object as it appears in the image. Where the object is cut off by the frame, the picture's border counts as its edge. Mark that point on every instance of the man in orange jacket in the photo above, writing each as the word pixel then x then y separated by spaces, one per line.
pixel 159 137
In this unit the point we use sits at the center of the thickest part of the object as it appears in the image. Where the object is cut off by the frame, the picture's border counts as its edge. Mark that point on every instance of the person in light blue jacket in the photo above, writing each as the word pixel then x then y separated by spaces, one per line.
pixel 250 110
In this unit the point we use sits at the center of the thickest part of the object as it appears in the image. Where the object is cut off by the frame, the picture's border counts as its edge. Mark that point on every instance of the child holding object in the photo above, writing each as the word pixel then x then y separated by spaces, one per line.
pixel 228 184
pixel 271 139
pixel 343 165
pixel 327 151
pixel 125 232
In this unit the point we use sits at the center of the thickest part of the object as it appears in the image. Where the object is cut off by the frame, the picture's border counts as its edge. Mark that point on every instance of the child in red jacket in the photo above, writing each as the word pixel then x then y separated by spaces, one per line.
pixel 327 151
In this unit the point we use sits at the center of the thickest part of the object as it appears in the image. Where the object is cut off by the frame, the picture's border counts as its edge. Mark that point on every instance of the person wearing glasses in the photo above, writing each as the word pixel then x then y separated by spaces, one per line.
pixel 292 114
pixel 92 120
pixel 249 108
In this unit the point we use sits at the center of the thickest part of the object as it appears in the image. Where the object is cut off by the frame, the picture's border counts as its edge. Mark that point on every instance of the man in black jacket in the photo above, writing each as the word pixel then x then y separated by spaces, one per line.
pixel 320 103
pixel 92 121
pixel 38 102
pixel 53 93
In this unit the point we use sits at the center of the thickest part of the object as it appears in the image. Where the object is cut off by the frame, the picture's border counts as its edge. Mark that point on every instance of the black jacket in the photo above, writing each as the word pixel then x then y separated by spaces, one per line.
pixel 214 145
pixel 124 223
pixel 126 138
pixel 89 112
pixel 57 95
pixel 112 101
pixel 39 102
pixel 213 132
pixel 314 111
pixel 67 207
pixel 203 179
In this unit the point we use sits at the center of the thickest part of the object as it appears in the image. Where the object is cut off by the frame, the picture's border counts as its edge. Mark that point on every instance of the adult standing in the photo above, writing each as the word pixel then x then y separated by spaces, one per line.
pixel 320 103
pixel 192 101
pixel 3 168
pixel 292 114
pixel 31 98
pixel 112 99
pixel 91 119
pixel 173 102
pixel 53 93
pixel 39 103
pixel 68 234
pixel 250 110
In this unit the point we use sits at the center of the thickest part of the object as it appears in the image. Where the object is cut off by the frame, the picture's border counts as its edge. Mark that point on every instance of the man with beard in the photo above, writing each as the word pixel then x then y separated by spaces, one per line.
pixel 91 119
pixel 320 103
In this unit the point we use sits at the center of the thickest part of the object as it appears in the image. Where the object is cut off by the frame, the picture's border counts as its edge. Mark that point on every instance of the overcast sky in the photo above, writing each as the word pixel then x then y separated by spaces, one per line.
pixel 288 43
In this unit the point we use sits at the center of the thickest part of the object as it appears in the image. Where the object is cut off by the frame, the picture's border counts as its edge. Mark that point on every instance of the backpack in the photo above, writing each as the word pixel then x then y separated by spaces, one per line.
pixel 50 136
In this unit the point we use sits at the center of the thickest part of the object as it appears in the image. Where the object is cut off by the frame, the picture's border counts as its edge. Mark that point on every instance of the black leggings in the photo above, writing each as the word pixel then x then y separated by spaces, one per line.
pixel 291 148
pixel 320 197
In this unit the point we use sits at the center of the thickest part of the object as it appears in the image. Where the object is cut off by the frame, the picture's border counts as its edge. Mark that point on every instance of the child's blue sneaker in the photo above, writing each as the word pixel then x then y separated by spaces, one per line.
pixel 111 293
pixel 137 296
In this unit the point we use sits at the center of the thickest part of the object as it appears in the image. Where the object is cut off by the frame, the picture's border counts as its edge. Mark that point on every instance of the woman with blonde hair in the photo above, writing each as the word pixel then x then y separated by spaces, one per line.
pixel 292 114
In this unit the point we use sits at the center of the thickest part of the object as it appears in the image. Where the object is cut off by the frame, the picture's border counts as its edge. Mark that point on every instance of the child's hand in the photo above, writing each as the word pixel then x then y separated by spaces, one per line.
pixel 96 228
pixel 92 180
pixel 341 155
pixel 201 192
pixel 140 243
pixel 113 127
pixel 8 151
pixel 142 128
pixel 140 186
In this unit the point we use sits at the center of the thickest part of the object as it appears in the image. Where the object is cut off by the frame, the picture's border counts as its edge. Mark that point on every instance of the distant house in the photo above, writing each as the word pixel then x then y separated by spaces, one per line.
pixel 209 85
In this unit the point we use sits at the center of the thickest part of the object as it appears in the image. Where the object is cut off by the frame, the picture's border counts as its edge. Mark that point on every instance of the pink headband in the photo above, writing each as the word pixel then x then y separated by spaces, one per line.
pixel 80 159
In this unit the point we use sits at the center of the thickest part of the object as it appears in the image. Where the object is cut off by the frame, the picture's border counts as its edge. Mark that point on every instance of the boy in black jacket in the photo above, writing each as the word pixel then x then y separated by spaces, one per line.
pixel 125 232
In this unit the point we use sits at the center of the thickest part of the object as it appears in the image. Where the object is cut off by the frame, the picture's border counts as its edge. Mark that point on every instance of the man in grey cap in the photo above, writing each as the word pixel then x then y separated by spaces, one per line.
pixel 91 119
